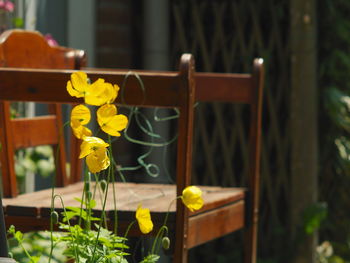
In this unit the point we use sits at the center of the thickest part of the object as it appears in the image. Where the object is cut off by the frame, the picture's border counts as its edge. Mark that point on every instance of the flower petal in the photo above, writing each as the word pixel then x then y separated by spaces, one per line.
pixel 115 124
pixel 73 92
pixel 78 84
pixel 79 80
pixel 79 130
pixel 95 93
pixel 143 217
pixel 105 113
pixel 192 198
pixel 111 92
pixel 81 113
pixel 97 161
pixel 91 144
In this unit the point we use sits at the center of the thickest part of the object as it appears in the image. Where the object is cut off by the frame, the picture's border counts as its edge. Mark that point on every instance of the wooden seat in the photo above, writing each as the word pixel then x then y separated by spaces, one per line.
pixel 225 209
pixel 29 49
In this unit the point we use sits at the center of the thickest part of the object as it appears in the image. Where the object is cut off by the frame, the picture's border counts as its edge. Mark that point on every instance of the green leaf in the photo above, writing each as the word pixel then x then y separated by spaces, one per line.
pixel 152 258
pixel 336 259
pixel 19 236
pixel 34 259
pixel 313 216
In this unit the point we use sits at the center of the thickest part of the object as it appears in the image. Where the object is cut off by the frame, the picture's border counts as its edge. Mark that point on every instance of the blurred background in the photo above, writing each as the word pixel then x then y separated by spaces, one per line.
pixel 305 45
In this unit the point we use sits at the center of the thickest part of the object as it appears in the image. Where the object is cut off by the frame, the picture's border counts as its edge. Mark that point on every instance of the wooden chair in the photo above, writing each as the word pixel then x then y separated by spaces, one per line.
pixel 225 209
pixel 29 49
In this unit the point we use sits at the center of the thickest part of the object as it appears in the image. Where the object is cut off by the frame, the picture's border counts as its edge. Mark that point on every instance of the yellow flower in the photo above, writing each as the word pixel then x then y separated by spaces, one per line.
pixel 97 93
pixel 79 130
pixel 143 217
pixel 95 151
pixel 192 198
pixel 110 92
pixel 109 121
pixel 78 84
pixel 80 115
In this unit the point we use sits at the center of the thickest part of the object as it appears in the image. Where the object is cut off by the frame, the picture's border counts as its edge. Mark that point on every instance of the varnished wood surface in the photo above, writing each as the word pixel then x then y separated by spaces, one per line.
pixel 219 87
pixel 34 131
pixel 29 49
pixel 35 207
pixel 50 86
pixel 156 197
pixel 215 223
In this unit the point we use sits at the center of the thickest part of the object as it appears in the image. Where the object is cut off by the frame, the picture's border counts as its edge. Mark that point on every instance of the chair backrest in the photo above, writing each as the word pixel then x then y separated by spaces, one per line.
pixel 161 89
pixel 29 49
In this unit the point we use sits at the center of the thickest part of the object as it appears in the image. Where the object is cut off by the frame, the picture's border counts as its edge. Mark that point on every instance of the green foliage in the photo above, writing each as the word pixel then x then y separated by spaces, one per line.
pixel 35 160
pixel 313 216
pixel 30 247
pixel 86 245
pixel 18 22
pixel 334 81
pixel 150 259
pixel 337 104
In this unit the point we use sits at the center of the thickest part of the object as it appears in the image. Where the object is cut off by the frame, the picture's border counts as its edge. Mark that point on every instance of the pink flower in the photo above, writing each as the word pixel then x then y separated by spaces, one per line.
pixel 50 40
pixel 7 5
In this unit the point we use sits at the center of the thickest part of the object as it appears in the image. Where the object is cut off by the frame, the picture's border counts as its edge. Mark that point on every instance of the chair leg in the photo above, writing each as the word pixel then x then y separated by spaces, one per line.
pixel 3 240
pixel 180 257
pixel 250 244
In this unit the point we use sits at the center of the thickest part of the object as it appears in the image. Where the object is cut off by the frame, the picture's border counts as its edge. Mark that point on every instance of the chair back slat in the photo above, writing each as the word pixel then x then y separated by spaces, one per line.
pixel 50 86
pixel 217 87
pixel 36 131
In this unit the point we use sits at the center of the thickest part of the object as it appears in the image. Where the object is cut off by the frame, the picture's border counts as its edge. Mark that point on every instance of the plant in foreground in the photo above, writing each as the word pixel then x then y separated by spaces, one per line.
pixel 89 239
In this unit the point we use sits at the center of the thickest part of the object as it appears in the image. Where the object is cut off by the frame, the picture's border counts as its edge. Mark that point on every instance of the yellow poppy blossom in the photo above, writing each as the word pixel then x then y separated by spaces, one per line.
pixel 143 217
pixel 81 113
pixel 192 198
pixel 97 93
pixel 78 84
pixel 109 121
pixel 79 130
pixel 95 151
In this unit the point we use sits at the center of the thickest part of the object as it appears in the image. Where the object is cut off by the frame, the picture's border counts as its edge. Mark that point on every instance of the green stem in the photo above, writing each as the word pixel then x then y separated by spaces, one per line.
pixel 25 250
pixel 99 189
pixel 113 183
pixel 53 180
pixel 163 227
pixel 158 236
pixel 88 201
pixel 103 209
pixel 127 232
pixel 70 229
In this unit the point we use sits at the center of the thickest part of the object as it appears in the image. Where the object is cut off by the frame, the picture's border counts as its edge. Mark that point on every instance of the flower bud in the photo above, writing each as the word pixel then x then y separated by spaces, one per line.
pixel 54 217
pixel 103 185
pixel 166 243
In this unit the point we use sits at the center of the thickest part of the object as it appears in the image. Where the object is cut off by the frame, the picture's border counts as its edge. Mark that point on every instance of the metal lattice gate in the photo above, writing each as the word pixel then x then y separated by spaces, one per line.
pixel 225 36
